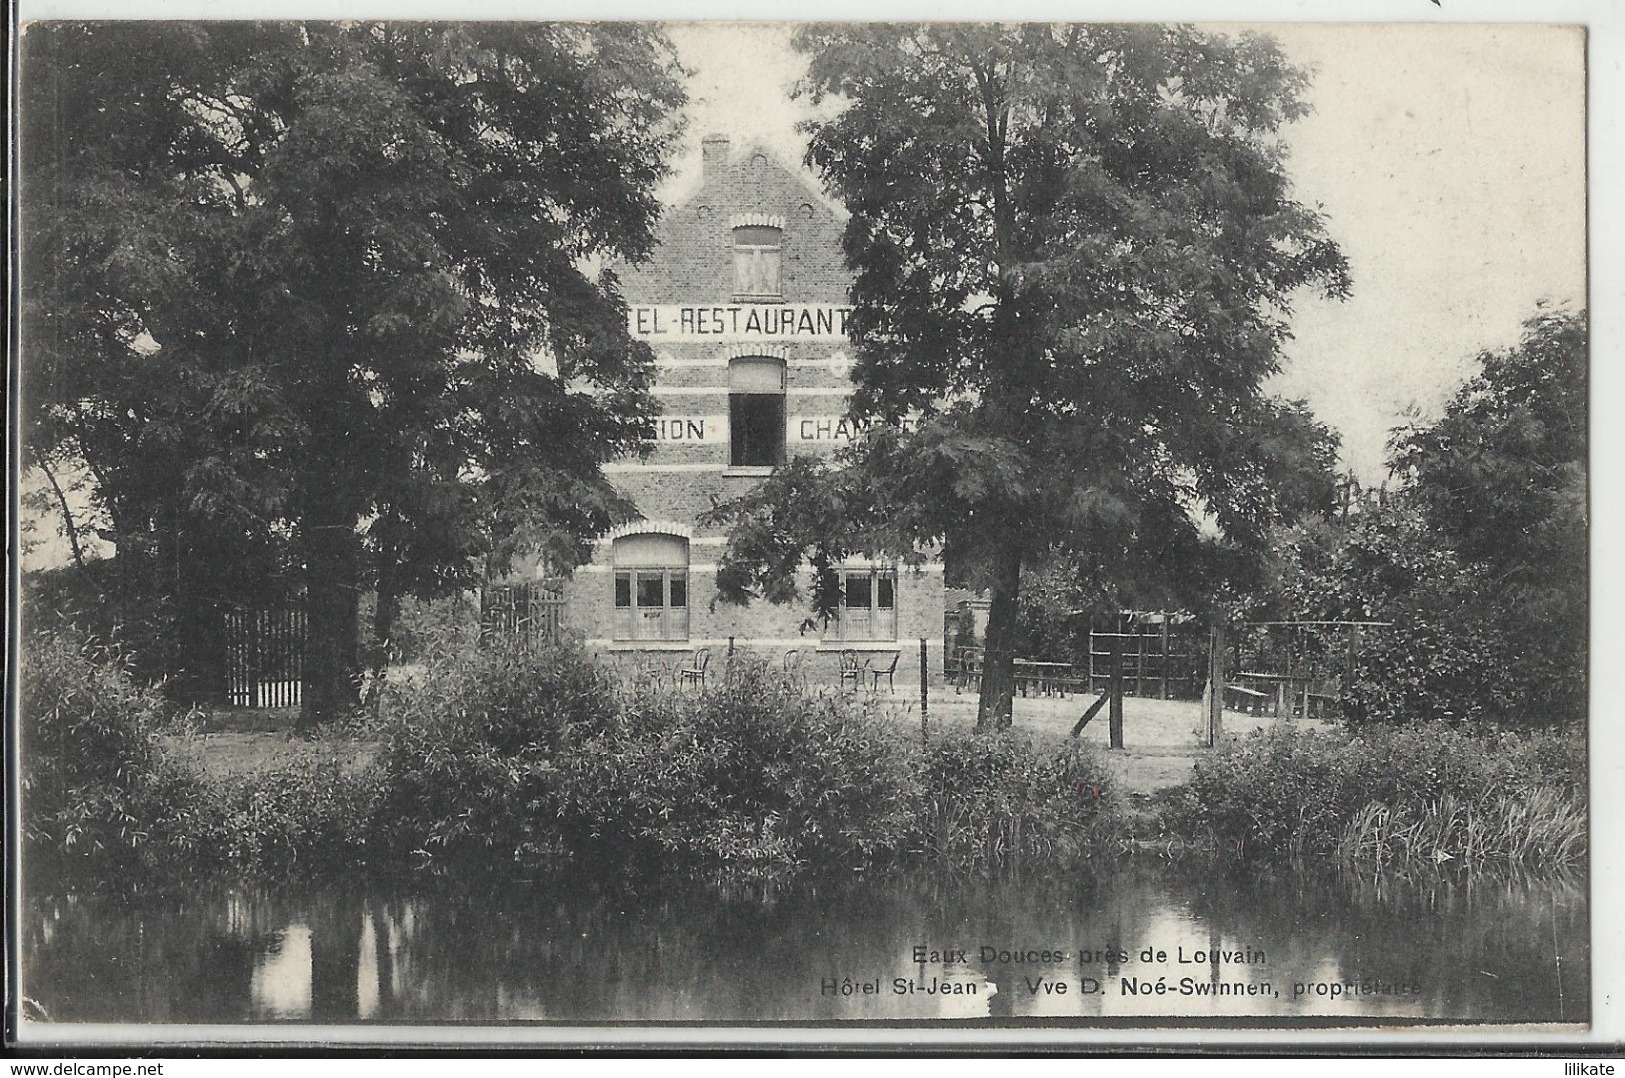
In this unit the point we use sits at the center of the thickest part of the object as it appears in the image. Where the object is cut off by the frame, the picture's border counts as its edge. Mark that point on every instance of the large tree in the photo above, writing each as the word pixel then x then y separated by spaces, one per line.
pixel 1076 250
pixel 1500 478
pixel 1476 550
pixel 287 286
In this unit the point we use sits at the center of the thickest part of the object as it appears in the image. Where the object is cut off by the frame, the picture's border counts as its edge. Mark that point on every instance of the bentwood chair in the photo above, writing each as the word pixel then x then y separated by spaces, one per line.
pixel 793 673
pixel 889 671
pixel 694 674
pixel 851 670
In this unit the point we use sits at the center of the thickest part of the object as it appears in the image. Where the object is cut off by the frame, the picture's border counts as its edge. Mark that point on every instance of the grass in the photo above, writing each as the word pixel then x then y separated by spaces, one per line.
pixel 1388 796
pixel 1540 828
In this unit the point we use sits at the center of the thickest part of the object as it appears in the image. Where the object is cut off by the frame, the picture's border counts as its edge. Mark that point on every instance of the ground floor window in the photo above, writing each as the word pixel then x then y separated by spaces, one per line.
pixel 651 588
pixel 868 606
pixel 651 604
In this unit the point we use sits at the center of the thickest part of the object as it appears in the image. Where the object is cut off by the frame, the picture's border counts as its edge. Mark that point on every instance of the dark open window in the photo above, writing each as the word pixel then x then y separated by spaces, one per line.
pixel 756 412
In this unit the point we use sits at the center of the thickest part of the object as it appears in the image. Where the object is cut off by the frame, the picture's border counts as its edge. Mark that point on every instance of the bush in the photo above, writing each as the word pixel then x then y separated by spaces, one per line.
pixel 753 776
pixel 311 814
pixel 534 762
pixel 429 628
pixel 507 760
pixel 95 787
pixel 1299 793
pixel 470 748
pixel 991 798
pixel 76 603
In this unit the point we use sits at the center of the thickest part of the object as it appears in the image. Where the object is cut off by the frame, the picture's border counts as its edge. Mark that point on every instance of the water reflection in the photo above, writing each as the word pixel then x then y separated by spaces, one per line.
pixel 901 948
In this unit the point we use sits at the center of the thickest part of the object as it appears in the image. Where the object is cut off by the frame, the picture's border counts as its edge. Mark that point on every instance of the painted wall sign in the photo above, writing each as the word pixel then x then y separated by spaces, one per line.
pixel 836 428
pixel 825 428
pixel 738 322
pixel 694 429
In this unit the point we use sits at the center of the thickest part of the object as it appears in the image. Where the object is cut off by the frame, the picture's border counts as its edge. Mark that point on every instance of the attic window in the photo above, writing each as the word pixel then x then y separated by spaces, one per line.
pixel 756 262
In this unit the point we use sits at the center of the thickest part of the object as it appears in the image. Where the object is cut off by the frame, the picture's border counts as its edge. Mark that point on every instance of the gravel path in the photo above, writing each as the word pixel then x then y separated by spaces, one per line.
pixel 1162 738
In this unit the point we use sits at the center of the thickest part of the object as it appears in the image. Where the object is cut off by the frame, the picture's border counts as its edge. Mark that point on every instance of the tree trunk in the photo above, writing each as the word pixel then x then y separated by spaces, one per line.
pixel 331 686
pixel 999 660
pixel 69 528
pixel 383 628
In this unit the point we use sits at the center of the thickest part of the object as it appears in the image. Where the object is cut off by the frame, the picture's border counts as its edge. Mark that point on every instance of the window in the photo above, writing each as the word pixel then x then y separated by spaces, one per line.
pixel 756 412
pixel 651 587
pixel 756 262
pixel 868 606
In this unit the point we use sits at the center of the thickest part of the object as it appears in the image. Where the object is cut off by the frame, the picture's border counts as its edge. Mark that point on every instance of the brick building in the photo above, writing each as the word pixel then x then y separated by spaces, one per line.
pixel 744 305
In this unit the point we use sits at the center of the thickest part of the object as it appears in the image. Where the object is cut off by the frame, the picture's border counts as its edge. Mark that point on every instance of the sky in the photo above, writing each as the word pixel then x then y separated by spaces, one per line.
pixel 1448 161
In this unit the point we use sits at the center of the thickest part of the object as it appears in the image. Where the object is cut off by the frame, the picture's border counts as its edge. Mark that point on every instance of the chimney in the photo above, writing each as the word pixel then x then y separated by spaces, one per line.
pixel 713 156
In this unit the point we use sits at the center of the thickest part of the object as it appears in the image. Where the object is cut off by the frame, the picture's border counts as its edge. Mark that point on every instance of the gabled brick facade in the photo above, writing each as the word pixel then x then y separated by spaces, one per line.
pixel 750 360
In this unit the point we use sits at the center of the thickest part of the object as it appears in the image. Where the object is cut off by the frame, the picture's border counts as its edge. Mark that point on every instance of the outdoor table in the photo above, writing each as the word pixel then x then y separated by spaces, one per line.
pixel 1288 688
pixel 1046 678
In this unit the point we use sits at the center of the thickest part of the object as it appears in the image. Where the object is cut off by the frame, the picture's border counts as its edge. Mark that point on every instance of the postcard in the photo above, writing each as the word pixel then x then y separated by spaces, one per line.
pixel 1052 533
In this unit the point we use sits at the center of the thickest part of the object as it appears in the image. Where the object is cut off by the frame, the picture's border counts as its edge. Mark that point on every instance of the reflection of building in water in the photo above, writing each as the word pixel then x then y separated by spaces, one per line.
pixel 745 307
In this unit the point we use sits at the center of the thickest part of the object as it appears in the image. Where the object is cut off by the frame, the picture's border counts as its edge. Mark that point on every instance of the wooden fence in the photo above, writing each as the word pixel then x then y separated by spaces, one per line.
pixel 1159 657
pixel 529 614
pixel 265 656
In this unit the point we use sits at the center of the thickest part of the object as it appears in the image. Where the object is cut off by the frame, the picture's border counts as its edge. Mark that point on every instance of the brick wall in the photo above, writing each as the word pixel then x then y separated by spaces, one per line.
pixel 690 467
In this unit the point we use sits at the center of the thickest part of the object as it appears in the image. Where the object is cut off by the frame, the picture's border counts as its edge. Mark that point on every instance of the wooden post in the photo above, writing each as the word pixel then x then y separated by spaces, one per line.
pixel 1117 692
pixel 1139 661
pixel 1215 685
pixel 1162 670
pixel 925 702
pixel 1091 657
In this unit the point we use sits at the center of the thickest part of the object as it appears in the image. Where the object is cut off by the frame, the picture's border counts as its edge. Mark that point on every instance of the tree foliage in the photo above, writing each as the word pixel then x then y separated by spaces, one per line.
pixel 1075 251
pixel 1478 556
pixel 1502 474
pixel 285 287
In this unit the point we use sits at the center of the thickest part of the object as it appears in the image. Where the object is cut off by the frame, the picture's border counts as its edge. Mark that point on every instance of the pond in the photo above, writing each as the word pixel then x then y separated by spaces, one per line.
pixel 1221 943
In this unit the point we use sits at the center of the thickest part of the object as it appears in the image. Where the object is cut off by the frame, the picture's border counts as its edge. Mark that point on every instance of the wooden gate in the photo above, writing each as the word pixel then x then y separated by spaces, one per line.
pixel 526 614
pixel 1160 654
pixel 265 656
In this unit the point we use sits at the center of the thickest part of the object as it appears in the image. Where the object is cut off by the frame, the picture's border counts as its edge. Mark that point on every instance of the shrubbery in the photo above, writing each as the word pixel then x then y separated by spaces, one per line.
pixel 534 762
pixel 1391 793
pixel 754 776
pixel 94 783
pixel 314 813
pixel 470 752
pixel 990 797
pixel 537 762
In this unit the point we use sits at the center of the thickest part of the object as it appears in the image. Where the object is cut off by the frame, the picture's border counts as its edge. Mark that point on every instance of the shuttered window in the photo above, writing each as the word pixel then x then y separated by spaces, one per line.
pixel 756 262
